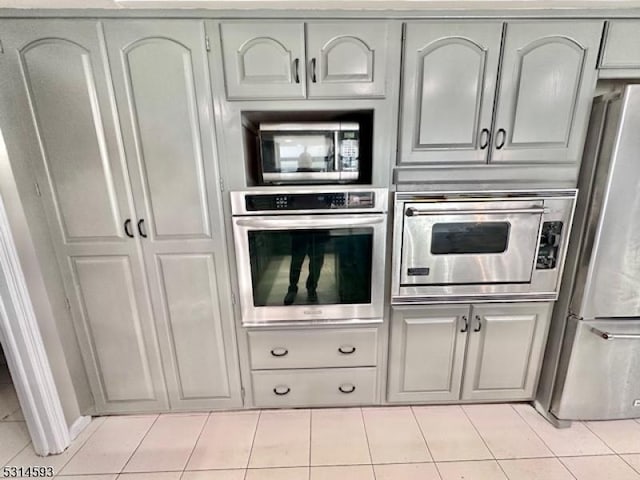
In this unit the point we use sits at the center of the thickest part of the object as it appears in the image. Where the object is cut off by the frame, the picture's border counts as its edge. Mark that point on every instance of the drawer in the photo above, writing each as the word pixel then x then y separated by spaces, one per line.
pixel 311 348
pixel 316 387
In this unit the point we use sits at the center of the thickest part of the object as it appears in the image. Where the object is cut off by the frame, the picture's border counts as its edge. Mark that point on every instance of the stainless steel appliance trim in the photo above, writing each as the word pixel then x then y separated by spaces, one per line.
pixel 614 336
pixel 313 322
pixel 238 205
pixel 336 153
pixel 412 211
pixel 480 195
pixel 479 298
pixel 309 126
pixel 280 222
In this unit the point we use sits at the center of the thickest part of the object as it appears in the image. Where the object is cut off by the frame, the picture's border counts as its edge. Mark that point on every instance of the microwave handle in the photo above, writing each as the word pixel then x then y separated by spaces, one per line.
pixel 414 212
pixel 308 223
pixel 336 151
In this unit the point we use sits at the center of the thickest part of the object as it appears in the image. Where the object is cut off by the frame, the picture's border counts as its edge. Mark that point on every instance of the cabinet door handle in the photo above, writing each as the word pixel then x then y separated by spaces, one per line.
pixel 279 352
pixel 347 350
pixel 347 388
pixel 479 327
pixel 281 390
pixel 313 70
pixel 466 324
pixel 501 137
pixel 127 228
pixel 296 70
pixel 484 138
pixel 140 230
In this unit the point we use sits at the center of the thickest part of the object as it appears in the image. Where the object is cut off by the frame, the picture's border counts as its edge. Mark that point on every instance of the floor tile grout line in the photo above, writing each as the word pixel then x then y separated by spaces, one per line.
pixel 424 438
pixel 366 436
pixel 464 412
pixel 637 470
pixel 615 452
pixel 135 450
pixel 253 440
pixel 204 425
pixel 532 429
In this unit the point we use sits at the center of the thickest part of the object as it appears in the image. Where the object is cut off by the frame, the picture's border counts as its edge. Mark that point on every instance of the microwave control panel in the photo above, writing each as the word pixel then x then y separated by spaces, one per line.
pixel 549 245
pixel 309 201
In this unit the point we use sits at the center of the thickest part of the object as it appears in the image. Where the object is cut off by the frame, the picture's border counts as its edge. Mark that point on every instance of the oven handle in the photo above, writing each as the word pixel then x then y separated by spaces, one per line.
pixel 414 212
pixel 282 222
pixel 614 336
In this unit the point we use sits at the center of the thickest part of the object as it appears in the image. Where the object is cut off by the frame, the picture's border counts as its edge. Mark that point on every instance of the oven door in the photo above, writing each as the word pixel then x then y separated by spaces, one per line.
pixel 310 268
pixel 469 243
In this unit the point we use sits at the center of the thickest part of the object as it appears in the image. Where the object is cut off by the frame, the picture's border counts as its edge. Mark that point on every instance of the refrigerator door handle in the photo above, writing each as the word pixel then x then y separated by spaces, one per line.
pixel 614 336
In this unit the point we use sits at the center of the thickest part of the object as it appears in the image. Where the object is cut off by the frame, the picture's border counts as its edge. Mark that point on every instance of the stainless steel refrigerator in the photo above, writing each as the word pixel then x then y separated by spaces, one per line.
pixel 596 374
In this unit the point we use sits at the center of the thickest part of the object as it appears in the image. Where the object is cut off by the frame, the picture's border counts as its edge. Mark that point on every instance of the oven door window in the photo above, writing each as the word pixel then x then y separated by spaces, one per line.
pixel 297 152
pixel 318 266
pixel 469 238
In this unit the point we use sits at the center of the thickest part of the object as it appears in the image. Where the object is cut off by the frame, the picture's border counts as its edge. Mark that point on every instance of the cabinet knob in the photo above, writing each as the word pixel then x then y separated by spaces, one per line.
pixel 466 324
pixel 127 228
pixel 281 390
pixel 279 352
pixel 484 138
pixel 347 350
pixel 296 70
pixel 479 326
pixel 501 137
pixel 313 70
pixel 347 388
pixel 140 230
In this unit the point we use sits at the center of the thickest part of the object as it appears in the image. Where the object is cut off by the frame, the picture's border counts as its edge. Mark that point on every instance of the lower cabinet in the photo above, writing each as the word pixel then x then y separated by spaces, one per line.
pixel 466 352
pixel 314 366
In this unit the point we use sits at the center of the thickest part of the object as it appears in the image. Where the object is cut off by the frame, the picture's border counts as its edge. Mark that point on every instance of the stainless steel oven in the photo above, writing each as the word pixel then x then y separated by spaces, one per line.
pixel 480 245
pixel 310 255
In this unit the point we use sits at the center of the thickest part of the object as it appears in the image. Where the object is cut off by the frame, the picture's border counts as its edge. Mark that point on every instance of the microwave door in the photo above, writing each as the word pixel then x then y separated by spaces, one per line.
pixel 472 246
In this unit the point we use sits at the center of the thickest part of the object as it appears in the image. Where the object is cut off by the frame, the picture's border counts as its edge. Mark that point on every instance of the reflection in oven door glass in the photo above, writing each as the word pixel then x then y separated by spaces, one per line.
pixel 469 237
pixel 319 266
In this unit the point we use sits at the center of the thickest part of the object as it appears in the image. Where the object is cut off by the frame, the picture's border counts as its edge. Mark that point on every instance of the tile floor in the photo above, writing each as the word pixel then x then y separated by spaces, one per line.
pixel 474 442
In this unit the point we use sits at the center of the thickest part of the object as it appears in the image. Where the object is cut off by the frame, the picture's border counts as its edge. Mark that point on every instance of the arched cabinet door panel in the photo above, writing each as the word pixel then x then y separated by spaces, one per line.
pixel 263 59
pixel 547 80
pixel 160 73
pixel 349 59
pixel 449 81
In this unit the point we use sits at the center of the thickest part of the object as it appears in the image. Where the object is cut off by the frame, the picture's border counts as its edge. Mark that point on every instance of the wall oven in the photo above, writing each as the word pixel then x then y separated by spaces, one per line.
pixel 474 246
pixel 310 255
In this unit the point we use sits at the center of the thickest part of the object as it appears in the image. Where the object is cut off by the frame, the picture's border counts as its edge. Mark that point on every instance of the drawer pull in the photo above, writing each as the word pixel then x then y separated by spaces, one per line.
pixel 347 388
pixel 281 390
pixel 347 350
pixel 279 352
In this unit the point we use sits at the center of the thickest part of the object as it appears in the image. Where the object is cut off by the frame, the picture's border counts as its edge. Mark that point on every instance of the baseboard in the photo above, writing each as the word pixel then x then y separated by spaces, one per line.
pixel 78 426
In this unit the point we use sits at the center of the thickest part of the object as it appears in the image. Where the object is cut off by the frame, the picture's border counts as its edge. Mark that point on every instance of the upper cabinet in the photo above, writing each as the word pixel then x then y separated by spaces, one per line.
pixel 463 103
pixel 620 57
pixel 272 60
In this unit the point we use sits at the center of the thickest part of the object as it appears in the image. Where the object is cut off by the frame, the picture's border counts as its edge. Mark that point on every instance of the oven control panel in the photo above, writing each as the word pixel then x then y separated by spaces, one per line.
pixel 309 201
pixel 550 237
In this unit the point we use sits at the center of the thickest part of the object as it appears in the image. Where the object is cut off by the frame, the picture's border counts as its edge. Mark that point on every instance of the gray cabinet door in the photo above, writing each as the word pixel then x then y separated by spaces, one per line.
pixel 547 80
pixel 263 59
pixel 62 99
pixel 505 349
pixel 348 59
pixel 449 83
pixel 160 79
pixel 426 353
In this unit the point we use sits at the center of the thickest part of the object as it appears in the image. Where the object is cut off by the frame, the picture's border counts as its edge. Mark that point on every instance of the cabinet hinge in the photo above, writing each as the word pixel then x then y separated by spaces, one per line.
pixel 38 192
pixel 207 43
pixel 1 47
pixel 221 185
pixel 67 303
pixel 233 299
pixel 242 393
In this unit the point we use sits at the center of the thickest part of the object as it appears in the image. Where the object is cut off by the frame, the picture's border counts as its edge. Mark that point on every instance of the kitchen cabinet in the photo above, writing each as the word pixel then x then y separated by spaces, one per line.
pixel 426 352
pixel 620 57
pixel 272 60
pixel 505 348
pixel 499 348
pixel 465 102
pixel 133 205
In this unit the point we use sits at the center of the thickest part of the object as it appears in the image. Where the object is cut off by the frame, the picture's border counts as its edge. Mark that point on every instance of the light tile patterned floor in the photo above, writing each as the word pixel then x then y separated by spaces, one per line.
pixel 473 442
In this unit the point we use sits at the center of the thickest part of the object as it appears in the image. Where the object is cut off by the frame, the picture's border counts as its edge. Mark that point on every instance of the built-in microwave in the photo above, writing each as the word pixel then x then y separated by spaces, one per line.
pixel 309 152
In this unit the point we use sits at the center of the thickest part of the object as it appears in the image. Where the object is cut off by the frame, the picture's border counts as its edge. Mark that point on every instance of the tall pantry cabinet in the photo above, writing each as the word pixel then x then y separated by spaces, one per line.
pixel 127 168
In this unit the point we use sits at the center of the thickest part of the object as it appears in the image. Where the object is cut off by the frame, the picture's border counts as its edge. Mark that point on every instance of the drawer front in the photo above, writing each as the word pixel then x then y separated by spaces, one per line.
pixel 313 348
pixel 332 386
pixel 621 45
